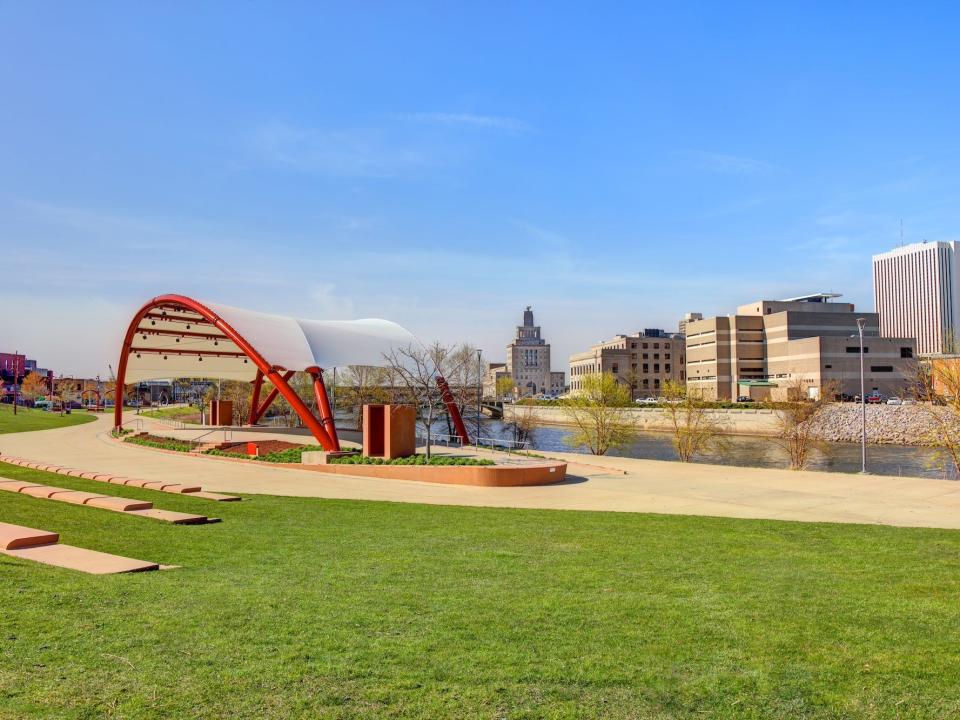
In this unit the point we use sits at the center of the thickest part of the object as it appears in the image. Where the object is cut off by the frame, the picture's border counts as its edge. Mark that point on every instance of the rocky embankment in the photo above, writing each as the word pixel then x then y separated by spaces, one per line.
pixel 886 424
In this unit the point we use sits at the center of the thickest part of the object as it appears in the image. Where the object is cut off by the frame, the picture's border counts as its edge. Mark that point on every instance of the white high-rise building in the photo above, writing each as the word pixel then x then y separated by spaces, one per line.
pixel 916 291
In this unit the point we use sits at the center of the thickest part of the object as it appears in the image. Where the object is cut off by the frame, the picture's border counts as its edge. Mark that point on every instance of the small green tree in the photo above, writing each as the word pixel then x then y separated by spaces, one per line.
pixel 599 415
pixel 694 430
pixel 505 387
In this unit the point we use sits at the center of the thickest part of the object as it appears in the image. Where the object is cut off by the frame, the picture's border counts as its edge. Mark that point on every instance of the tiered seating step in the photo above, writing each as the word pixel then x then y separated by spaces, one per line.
pixel 104 502
pixel 44 547
pixel 162 486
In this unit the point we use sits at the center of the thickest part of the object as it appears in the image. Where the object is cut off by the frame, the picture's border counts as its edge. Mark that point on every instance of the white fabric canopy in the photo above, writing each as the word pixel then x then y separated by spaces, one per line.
pixel 171 344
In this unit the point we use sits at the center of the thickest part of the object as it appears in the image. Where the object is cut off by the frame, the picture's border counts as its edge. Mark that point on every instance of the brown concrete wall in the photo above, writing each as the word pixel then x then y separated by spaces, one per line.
pixel 734 422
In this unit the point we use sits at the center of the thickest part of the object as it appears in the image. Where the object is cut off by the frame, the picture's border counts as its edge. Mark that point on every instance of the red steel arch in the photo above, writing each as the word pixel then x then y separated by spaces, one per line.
pixel 277 376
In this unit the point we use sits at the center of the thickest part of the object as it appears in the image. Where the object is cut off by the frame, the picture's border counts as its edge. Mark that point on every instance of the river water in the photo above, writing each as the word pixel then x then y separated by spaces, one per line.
pixel 754 451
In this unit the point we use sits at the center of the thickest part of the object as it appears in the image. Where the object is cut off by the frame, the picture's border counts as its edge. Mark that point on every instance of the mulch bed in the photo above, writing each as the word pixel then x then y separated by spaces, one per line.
pixel 265 446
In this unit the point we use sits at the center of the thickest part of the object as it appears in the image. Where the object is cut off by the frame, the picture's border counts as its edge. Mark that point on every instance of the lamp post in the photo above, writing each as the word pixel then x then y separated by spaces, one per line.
pixel 861 322
pixel 479 393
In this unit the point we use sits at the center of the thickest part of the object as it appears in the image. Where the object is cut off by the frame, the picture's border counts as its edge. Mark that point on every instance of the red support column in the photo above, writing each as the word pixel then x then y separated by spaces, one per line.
pixel 454 411
pixel 271 396
pixel 255 398
pixel 323 405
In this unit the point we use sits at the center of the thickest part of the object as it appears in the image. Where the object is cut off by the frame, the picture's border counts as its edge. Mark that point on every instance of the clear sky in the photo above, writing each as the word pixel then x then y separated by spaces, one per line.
pixel 444 165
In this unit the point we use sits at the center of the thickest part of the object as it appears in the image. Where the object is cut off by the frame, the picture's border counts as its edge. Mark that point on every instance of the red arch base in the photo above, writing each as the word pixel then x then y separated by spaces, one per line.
pixel 323 430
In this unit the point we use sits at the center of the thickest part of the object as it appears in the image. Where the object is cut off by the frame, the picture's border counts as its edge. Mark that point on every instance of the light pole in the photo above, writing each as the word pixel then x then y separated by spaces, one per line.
pixel 863 402
pixel 479 393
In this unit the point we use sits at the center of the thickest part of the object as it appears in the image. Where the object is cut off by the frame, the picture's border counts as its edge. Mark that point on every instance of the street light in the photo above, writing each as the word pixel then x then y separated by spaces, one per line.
pixel 479 393
pixel 861 322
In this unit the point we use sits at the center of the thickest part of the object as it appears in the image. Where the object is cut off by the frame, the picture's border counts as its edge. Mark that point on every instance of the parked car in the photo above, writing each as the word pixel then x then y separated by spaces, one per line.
pixel 909 401
pixel 744 399
pixel 874 399
pixel 894 401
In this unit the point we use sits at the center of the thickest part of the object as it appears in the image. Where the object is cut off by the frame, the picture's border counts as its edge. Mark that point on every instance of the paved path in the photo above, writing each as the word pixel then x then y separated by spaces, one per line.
pixel 595 484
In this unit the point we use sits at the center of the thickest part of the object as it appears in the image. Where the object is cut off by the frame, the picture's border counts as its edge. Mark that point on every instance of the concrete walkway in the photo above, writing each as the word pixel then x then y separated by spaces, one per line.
pixel 593 483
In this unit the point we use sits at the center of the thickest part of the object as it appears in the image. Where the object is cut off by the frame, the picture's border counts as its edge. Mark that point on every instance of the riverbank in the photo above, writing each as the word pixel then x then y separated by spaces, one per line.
pixel 840 422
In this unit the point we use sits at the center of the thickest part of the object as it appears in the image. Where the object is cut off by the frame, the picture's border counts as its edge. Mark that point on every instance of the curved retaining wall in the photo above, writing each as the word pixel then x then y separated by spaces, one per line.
pixel 544 473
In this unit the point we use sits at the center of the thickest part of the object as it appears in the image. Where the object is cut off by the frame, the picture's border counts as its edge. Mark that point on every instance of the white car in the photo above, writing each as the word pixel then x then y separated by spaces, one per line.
pixel 894 401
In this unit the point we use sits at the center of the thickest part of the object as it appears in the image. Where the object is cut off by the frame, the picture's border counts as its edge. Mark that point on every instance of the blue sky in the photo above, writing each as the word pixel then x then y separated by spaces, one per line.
pixel 444 165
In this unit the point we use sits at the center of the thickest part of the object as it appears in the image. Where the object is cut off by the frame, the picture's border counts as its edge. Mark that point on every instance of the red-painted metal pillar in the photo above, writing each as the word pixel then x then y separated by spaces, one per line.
pixel 257 412
pixel 323 405
pixel 454 411
pixel 255 398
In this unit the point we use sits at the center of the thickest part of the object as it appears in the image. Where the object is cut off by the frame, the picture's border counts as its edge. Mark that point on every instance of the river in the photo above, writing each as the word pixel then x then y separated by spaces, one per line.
pixel 754 451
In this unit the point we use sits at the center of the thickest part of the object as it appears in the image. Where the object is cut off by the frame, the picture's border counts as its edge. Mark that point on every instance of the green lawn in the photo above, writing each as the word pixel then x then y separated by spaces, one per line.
pixel 188 414
pixel 28 419
pixel 308 608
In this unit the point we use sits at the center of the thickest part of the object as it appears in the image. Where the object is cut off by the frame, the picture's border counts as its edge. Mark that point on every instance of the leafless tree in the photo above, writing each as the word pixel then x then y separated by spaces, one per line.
pixel 359 385
pixel 938 395
pixel 414 369
pixel 797 426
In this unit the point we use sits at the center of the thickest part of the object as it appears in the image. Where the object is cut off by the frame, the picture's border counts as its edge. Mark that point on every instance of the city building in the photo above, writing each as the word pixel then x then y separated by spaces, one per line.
pixel 689 317
pixel 643 361
pixel 916 291
pixel 772 348
pixel 527 365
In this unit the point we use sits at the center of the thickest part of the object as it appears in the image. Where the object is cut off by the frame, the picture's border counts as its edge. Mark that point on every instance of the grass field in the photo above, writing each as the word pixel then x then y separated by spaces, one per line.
pixel 28 419
pixel 310 608
pixel 187 413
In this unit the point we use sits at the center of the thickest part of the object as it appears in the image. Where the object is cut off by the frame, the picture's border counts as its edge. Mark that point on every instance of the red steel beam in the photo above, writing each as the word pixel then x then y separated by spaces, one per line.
pixel 255 398
pixel 255 417
pixel 454 411
pixel 323 404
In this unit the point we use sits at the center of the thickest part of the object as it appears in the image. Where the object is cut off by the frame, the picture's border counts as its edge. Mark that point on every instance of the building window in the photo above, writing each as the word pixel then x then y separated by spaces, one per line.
pixel 656 383
pixel 633 346
pixel 666 356
pixel 666 346
pixel 906 352
pixel 656 346
pixel 615 369
pixel 881 368
pixel 856 349
pixel 646 356
pixel 646 383
pixel 646 368
pixel 645 346
pixel 827 367
pixel 666 368
pixel 656 367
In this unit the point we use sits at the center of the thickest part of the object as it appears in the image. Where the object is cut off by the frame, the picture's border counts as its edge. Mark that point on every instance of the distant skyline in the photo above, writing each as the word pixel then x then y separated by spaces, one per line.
pixel 445 166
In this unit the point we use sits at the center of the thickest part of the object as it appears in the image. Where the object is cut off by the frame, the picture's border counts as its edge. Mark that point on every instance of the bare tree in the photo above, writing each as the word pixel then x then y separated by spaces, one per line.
pixel 599 415
pixel 694 431
pixel 523 423
pixel 464 374
pixel 415 369
pixel 360 385
pixel 938 392
pixel 797 426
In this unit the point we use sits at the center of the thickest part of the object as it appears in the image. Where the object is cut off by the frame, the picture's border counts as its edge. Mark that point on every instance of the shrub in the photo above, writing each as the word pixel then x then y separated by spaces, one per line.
pixel 446 460
pixel 160 444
